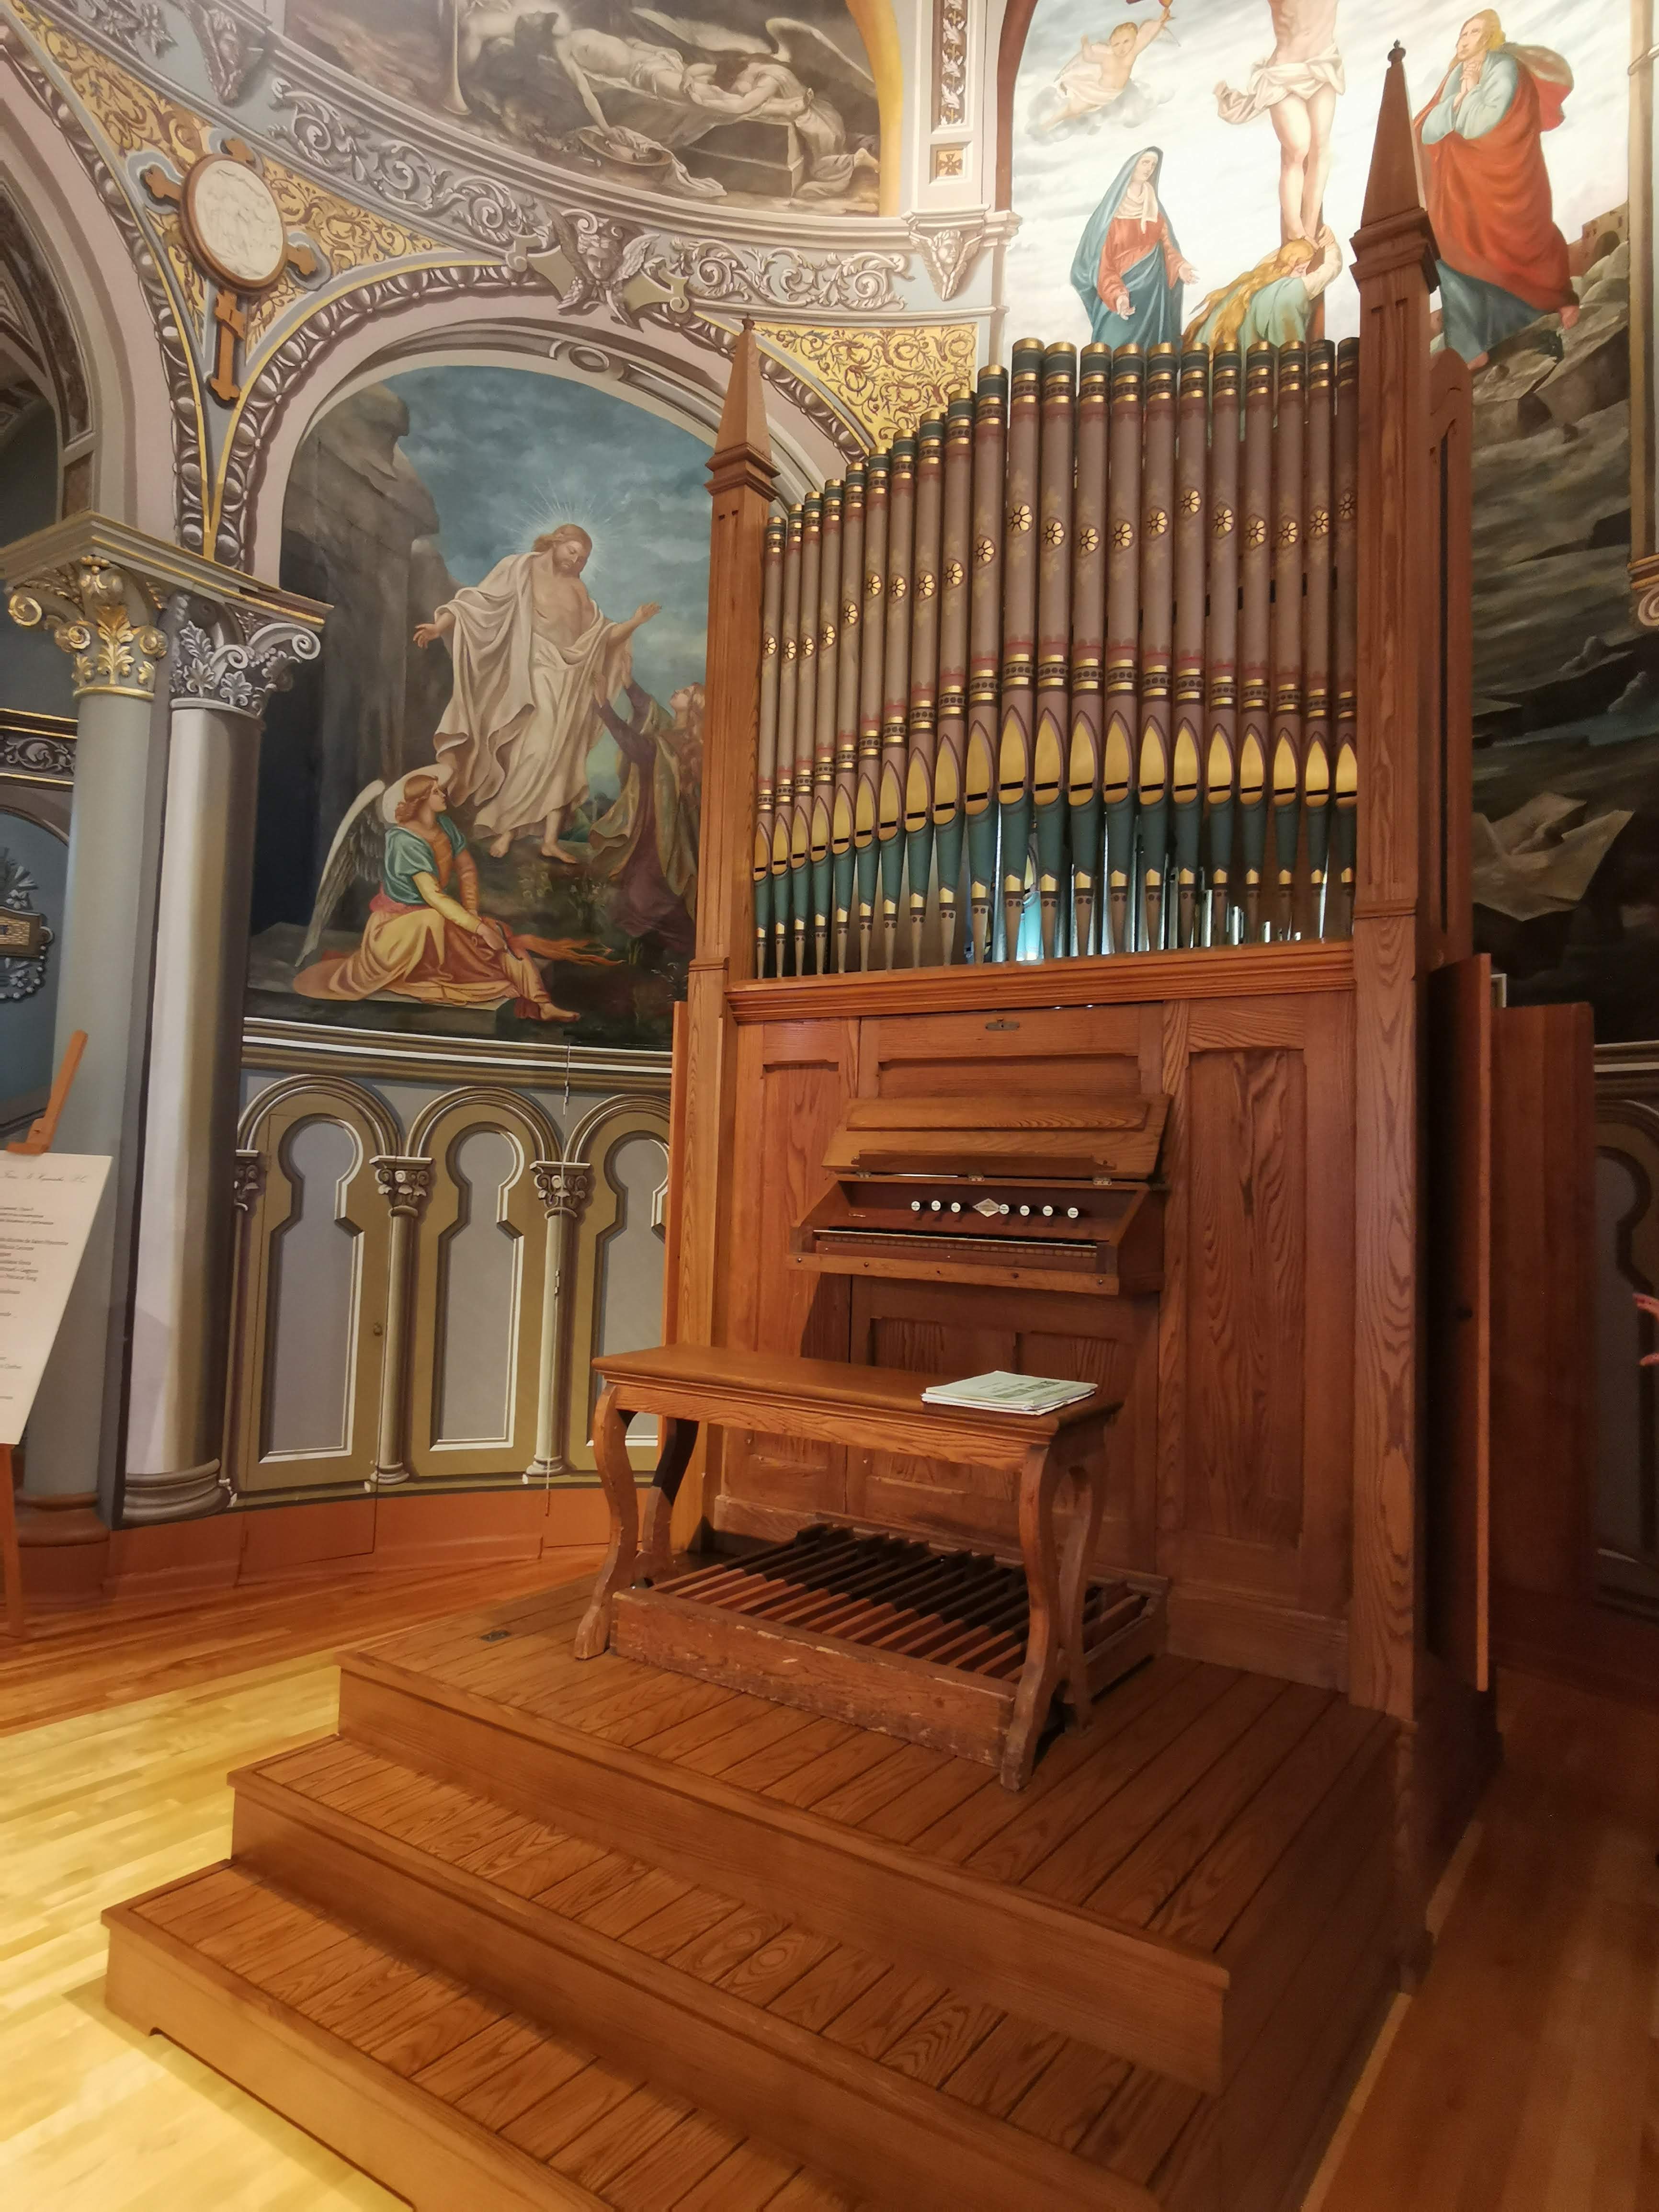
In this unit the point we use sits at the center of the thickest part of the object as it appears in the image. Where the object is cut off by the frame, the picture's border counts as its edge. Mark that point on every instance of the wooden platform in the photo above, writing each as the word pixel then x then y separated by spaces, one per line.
pixel 1145 1981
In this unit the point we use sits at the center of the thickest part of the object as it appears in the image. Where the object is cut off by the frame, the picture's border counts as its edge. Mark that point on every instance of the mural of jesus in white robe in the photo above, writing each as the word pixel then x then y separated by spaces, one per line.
pixel 532 656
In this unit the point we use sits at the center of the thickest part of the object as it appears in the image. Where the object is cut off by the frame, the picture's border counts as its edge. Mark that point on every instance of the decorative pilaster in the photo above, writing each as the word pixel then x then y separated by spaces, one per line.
pixel 404 1180
pixel 565 1188
pixel 1396 271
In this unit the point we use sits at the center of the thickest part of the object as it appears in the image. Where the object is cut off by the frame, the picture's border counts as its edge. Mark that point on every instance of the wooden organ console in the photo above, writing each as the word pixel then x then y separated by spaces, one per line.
pixel 1056 1193
pixel 941 1808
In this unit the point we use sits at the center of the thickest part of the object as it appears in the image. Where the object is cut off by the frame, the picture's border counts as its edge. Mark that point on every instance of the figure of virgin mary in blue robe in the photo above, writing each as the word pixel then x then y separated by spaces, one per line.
pixel 1128 270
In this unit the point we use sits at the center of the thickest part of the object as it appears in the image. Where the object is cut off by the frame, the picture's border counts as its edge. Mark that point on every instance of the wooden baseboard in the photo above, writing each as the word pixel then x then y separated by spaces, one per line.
pixel 1571 1639
pixel 1232 1628
pixel 393 1535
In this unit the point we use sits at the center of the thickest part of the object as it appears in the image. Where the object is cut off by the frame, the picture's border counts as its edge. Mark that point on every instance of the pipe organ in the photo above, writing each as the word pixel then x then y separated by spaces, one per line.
pixel 1014 1802
pixel 1075 658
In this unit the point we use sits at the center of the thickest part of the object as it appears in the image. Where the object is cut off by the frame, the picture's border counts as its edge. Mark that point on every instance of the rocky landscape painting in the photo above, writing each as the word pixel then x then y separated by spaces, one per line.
pixel 1259 117
pixel 478 809
pixel 745 106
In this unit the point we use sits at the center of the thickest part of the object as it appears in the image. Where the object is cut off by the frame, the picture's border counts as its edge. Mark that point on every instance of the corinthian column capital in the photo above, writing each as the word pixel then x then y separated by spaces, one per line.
pixel 233 660
pixel 563 1187
pixel 99 587
pixel 99 614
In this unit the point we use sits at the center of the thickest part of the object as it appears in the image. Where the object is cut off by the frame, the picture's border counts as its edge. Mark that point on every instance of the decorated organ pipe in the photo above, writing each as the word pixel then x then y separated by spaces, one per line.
pixel 1221 643
pixel 1316 631
pixel 1192 460
pixel 984 648
pixel 824 725
pixel 1289 444
pixel 1019 586
pixel 1254 622
pixel 1054 669
pixel 873 642
pixel 849 640
pixel 924 674
pixel 1122 703
pixel 1103 613
pixel 1157 633
pixel 1083 827
pixel 806 693
pixel 1345 736
pixel 788 696
pixel 767 746
pixel 895 687
pixel 951 726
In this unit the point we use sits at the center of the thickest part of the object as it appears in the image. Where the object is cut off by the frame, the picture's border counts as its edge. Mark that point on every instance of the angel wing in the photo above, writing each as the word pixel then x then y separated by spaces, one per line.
pixel 355 856
pixel 805 46
pixel 708 38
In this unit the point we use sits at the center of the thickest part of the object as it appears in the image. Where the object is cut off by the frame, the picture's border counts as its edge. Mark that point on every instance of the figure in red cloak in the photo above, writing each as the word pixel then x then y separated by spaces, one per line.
pixel 1502 262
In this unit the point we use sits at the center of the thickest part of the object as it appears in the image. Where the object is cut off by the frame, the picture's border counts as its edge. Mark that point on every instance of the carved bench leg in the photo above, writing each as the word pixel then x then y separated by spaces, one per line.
pixel 616 1474
pixel 1038 1481
pixel 656 1549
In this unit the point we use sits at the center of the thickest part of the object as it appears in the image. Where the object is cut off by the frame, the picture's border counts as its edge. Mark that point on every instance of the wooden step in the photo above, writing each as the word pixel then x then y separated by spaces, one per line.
pixel 452 2102
pixel 903 2090
pixel 1145 1894
pixel 917 1640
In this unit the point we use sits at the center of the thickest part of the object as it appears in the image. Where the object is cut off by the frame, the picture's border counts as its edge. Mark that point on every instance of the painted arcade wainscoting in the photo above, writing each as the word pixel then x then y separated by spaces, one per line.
pixel 434 1240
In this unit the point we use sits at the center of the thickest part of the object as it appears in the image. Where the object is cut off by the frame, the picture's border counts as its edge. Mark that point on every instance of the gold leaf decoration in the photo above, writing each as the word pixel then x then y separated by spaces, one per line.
pixel 882 378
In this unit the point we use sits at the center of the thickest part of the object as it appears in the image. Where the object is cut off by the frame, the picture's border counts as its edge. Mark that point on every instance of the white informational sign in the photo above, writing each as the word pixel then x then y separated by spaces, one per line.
pixel 47 1201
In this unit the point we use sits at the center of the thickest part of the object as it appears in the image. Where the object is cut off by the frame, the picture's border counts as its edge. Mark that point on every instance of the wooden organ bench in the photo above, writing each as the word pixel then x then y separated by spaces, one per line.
pixel 943 1647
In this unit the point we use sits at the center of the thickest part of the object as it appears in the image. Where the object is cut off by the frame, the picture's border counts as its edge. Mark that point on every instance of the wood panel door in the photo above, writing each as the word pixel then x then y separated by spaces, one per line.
pixel 1256 1363
pixel 1457 1354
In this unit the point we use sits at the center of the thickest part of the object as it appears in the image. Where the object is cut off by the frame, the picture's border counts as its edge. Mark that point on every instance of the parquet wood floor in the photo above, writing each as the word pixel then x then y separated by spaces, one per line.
pixel 78 1660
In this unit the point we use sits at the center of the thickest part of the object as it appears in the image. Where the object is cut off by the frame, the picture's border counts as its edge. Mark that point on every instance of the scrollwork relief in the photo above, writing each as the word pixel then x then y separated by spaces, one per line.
pixel 779 276
pixel 27 752
pixel 355 151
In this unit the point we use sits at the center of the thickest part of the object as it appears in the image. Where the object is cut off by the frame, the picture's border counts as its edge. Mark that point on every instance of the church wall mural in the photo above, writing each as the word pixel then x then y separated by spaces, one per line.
pixel 751 107
pixel 1186 171
pixel 478 809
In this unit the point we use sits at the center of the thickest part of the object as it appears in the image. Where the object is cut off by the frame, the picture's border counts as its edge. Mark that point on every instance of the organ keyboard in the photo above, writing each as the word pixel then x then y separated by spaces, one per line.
pixel 990 1190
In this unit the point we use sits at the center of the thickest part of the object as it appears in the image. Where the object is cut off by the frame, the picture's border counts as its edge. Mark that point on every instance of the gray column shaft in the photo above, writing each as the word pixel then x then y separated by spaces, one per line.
pixel 103 987
pixel 176 1389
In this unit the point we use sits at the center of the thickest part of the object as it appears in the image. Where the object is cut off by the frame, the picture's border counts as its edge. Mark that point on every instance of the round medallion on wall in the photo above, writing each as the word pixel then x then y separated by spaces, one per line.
pixel 235 223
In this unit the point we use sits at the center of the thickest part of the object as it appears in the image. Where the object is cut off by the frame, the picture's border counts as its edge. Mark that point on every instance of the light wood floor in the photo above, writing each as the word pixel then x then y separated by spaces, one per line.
pixel 1524 2078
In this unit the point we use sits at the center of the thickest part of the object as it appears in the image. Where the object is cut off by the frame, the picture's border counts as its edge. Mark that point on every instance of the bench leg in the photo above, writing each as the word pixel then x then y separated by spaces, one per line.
pixel 616 1474
pixel 1039 1480
pixel 656 1551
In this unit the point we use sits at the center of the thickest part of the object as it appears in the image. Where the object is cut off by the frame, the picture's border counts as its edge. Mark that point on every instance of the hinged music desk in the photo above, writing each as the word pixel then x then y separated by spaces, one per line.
pixel 953 1649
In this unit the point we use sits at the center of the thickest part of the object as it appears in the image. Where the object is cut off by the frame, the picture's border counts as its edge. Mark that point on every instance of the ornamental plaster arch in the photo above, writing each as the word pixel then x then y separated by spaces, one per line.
pixel 657 367
pixel 75 234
